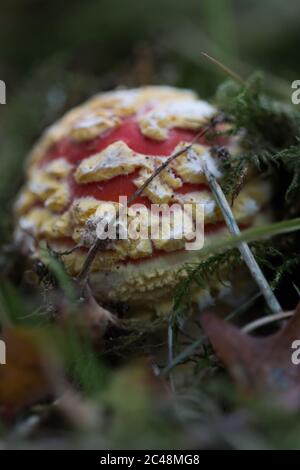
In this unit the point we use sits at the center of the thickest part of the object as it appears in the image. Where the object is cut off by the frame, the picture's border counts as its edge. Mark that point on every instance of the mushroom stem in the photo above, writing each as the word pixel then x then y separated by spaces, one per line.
pixel 244 249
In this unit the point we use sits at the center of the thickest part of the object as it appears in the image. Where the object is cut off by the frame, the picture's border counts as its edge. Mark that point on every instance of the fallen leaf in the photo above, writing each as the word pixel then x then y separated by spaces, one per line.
pixel 24 379
pixel 259 363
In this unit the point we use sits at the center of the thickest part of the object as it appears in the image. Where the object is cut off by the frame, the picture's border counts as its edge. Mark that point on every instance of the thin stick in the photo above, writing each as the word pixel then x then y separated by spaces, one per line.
pixel 245 251
pixel 266 320
pixel 82 276
pixel 225 69
pixel 189 350
pixel 184 354
pixel 68 252
pixel 244 307
pixel 170 160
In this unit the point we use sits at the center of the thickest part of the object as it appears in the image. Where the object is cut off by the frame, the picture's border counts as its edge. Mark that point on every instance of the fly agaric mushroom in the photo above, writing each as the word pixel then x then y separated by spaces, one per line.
pixel 107 148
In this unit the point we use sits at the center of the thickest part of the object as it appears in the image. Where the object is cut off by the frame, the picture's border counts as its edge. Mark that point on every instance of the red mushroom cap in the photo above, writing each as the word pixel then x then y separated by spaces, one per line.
pixel 107 148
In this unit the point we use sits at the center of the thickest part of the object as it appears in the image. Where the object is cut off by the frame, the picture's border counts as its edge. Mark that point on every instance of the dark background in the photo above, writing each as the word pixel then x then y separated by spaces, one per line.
pixel 53 54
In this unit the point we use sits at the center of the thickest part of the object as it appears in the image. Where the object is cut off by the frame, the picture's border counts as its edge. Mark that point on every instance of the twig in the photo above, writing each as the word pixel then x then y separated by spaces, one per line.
pixel 173 157
pixel 82 276
pixel 225 69
pixel 189 350
pixel 101 243
pixel 184 355
pixel 266 320
pixel 244 307
pixel 70 251
pixel 245 251
pixel 296 288
pixel 27 427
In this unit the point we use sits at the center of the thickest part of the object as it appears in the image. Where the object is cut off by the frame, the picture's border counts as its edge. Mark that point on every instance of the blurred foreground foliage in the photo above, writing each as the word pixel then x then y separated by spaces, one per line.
pixel 98 385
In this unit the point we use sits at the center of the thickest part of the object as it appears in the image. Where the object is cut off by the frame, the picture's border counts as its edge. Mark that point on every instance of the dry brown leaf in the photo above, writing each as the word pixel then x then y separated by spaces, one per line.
pixel 261 364
pixel 24 379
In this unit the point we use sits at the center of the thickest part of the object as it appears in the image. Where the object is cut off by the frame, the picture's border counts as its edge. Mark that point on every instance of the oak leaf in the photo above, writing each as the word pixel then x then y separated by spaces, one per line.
pixel 25 378
pixel 259 364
